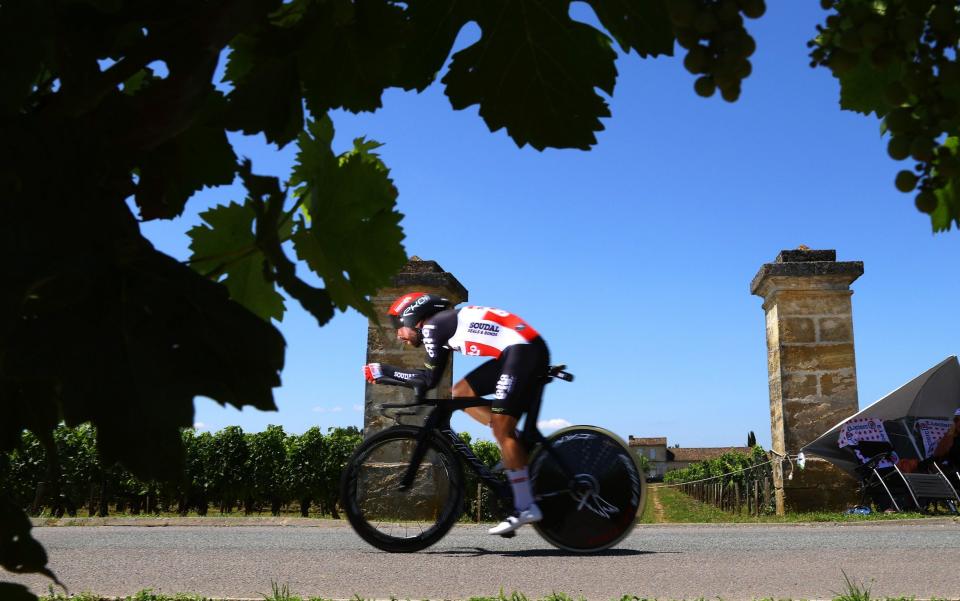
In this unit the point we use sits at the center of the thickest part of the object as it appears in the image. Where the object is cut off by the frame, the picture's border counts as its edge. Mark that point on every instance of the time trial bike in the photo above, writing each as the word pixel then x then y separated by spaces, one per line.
pixel 403 489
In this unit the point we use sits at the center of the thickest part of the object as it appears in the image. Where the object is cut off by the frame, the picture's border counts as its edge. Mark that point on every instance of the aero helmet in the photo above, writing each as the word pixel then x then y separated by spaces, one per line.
pixel 413 307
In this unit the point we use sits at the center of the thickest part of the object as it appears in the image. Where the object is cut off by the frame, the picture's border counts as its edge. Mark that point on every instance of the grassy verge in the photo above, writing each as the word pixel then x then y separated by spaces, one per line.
pixel 669 505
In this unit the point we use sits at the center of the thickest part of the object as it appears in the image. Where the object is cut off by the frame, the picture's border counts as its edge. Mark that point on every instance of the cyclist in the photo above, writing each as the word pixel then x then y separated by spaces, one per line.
pixel 515 375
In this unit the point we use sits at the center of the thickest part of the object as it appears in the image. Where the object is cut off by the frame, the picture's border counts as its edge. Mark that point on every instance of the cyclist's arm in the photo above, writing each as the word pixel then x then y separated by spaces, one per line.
pixel 426 378
pixel 436 332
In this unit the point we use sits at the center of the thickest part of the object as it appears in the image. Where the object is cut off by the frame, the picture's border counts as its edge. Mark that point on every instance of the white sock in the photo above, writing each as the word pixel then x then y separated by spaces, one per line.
pixel 520 483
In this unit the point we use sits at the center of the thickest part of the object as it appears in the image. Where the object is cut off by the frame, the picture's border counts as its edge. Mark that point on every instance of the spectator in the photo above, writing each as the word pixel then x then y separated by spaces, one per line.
pixel 949 447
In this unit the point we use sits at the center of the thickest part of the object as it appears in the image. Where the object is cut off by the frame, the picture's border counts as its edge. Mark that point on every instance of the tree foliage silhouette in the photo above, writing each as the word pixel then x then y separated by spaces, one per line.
pixel 109 101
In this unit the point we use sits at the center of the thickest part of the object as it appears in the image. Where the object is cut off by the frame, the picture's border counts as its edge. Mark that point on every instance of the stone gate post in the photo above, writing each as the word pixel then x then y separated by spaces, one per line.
pixel 811 366
pixel 382 343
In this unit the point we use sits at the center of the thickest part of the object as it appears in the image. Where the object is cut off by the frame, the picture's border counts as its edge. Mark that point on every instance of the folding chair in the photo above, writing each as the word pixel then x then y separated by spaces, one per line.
pixel 875 474
pixel 938 486
pixel 867 439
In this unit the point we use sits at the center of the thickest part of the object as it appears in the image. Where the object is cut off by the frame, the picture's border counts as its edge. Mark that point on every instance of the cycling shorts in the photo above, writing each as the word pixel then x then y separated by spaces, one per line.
pixel 516 378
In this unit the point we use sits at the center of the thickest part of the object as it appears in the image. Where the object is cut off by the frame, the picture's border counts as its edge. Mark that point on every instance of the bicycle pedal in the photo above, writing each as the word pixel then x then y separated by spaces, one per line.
pixel 510 534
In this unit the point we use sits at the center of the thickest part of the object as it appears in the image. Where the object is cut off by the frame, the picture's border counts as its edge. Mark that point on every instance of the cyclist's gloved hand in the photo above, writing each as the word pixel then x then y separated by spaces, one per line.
pixel 372 372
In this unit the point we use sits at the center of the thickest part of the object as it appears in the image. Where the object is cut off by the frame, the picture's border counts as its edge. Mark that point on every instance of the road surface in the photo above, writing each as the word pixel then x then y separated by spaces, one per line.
pixel 662 561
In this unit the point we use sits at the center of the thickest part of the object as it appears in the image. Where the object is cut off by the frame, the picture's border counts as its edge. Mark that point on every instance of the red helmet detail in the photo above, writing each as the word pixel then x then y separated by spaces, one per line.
pixel 413 307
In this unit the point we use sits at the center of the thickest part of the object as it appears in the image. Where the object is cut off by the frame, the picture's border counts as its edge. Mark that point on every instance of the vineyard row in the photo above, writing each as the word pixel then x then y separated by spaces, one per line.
pixel 225 471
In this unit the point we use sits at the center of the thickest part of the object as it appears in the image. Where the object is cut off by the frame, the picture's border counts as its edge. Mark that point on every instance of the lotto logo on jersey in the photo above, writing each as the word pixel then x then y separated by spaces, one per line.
pixel 504 385
pixel 428 342
pixel 477 349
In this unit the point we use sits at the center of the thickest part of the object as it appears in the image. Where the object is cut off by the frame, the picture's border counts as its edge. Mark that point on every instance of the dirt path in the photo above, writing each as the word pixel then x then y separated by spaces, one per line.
pixel 658 515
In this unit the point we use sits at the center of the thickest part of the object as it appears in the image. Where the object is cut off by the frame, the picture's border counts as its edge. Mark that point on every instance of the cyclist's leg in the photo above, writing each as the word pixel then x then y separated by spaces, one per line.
pixel 519 383
pixel 519 386
pixel 505 432
pixel 463 389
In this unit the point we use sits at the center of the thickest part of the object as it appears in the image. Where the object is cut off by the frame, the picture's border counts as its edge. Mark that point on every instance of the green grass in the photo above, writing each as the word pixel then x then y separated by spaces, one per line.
pixel 853 591
pixel 680 508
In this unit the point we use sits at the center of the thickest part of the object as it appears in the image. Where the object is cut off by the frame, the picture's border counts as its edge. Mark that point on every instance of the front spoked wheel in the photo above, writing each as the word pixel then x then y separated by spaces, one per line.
pixel 589 487
pixel 394 519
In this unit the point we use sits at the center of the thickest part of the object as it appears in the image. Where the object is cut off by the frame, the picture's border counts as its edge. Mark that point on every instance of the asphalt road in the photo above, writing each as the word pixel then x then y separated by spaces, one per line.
pixel 666 562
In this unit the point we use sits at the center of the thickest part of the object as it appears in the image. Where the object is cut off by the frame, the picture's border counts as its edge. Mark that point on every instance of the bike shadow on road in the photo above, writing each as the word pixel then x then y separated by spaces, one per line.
pixel 478 551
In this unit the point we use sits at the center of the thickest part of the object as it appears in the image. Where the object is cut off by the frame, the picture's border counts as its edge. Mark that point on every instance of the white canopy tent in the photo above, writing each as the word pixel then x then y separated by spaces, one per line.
pixel 933 394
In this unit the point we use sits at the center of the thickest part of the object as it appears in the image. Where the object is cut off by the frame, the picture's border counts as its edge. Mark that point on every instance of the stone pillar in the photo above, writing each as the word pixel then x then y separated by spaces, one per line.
pixel 382 344
pixel 811 366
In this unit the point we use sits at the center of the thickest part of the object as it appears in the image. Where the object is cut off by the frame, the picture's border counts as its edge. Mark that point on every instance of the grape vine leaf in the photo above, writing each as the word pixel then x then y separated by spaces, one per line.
pixel 948 197
pixel 436 25
pixel 225 244
pixel 862 88
pixel 947 211
pixel 199 156
pixel 367 39
pixel 641 26
pixel 138 81
pixel 266 87
pixel 535 71
pixel 354 237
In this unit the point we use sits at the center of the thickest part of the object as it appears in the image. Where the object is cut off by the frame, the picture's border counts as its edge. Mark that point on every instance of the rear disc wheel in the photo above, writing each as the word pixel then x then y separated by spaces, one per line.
pixel 596 504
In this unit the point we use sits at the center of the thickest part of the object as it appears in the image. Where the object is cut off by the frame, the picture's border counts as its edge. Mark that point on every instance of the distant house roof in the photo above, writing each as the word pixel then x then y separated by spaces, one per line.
pixel 702 454
pixel 648 442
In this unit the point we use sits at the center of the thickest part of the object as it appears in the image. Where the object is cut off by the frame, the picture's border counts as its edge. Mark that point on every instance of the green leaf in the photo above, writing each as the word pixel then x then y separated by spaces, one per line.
pixel 354 238
pixel 266 94
pixel 535 71
pixel 948 207
pixel 862 89
pixel 351 52
pixel 226 244
pixel 315 159
pixel 200 156
pixel 436 24
pixel 948 197
pixel 138 80
pixel 641 26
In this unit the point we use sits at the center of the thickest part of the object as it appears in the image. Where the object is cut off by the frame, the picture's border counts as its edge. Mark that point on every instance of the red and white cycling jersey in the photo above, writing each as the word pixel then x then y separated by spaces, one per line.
pixel 486 332
pixel 473 330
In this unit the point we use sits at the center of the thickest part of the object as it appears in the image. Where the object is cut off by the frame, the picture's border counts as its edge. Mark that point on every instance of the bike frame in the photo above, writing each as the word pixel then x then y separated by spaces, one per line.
pixel 438 421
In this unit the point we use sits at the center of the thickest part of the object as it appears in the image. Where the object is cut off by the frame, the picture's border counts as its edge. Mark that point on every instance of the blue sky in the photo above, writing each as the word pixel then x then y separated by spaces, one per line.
pixel 634 259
